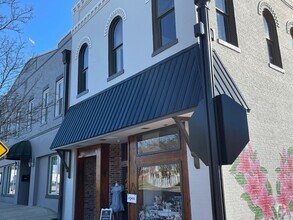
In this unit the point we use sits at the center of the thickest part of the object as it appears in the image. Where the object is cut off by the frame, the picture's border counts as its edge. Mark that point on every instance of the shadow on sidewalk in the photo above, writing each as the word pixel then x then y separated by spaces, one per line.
pixel 21 212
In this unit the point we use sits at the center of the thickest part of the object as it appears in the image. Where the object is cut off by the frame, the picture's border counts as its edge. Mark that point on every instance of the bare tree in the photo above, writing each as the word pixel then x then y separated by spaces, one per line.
pixel 12 18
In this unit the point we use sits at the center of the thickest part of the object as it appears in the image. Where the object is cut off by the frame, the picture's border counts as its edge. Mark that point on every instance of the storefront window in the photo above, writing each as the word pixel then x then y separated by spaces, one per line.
pixel 12 180
pixel 158 141
pixel 159 192
pixel 54 175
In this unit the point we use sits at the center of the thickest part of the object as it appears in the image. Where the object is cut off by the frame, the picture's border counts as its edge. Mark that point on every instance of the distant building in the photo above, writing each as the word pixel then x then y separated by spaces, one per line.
pixel 30 174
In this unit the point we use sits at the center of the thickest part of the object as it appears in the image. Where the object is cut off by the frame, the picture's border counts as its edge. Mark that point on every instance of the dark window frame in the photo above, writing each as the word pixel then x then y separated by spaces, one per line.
pixel 291 33
pixel 158 46
pixel 113 67
pixel 169 130
pixel 229 23
pixel 272 40
pixel 82 69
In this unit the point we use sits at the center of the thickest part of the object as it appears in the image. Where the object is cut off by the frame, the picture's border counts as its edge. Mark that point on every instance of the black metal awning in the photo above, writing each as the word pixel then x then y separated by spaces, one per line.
pixel 20 150
pixel 170 86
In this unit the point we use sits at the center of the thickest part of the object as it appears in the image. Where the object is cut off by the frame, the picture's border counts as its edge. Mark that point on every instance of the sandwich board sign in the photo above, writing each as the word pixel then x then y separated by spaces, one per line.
pixel 106 214
pixel 3 150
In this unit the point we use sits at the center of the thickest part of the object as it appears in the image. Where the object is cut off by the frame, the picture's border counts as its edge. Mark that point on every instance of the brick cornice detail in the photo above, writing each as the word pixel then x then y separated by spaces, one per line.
pixel 289 25
pixel 117 12
pixel 86 40
pixel 80 5
pixel 265 5
pixel 89 15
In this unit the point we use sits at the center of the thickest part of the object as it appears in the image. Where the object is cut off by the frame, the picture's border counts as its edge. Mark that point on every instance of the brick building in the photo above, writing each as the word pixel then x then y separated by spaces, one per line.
pixel 135 68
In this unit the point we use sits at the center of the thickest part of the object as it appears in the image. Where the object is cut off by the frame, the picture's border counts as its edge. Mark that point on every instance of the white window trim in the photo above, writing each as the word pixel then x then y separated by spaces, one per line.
pixel 59 97
pixel 56 193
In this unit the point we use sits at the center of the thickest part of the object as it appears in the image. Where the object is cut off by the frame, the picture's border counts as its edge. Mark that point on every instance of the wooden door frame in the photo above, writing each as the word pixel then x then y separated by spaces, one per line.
pixel 135 161
pixel 101 152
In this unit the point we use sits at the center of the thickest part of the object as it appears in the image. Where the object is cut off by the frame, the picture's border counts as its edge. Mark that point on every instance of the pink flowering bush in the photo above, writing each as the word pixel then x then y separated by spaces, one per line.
pixel 257 190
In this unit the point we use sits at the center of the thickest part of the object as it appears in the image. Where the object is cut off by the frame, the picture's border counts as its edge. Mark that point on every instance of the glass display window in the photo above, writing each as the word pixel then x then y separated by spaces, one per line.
pixel 158 141
pixel 159 192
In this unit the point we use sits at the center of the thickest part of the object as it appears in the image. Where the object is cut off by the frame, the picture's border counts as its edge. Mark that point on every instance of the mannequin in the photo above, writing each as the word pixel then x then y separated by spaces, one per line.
pixel 117 205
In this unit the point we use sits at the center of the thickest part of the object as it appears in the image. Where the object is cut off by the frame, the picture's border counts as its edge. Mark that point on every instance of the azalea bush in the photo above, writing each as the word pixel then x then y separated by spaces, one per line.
pixel 257 190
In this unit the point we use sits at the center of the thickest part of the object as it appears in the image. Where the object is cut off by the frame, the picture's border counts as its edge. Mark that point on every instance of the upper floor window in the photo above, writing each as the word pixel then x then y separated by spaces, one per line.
pixel 45 106
pixel 30 114
pixel 59 97
pixel 82 68
pixel 116 47
pixel 272 39
pixel 226 21
pixel 164 30
pixel 54 175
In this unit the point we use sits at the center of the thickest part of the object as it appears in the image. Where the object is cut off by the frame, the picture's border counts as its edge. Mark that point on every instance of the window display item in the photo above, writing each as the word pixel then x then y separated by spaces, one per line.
pixel 117 205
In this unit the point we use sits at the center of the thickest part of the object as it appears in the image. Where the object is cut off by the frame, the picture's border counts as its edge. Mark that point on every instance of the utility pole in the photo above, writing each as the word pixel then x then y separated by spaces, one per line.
pixel 217 199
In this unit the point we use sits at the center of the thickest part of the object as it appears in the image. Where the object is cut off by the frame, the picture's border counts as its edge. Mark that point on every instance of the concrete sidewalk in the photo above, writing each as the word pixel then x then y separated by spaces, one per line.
pixel 21 212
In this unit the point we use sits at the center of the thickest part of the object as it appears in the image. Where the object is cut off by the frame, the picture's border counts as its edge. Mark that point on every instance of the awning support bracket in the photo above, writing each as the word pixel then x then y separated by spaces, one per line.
pixel 181 127
pixel 66 164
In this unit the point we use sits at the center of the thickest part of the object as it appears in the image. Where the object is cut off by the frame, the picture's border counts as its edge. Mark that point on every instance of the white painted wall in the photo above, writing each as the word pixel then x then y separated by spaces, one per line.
pixel 69 189
pixel 137 39
pixel 199 187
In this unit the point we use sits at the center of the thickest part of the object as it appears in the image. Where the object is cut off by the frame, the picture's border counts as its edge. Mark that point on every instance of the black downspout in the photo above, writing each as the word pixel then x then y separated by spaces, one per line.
pixel 66 61
pixel 217 199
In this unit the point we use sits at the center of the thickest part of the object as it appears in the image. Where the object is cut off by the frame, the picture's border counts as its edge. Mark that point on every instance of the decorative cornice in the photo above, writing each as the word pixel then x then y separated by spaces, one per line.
pixel 265 5
pixel 289 25
pixel 80 5
pixel 89 15
pixel 117 12
pixel 289 4
pixel 84 40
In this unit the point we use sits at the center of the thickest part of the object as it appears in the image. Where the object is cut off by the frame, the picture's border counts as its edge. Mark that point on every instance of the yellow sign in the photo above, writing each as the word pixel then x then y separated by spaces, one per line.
pixel 3 150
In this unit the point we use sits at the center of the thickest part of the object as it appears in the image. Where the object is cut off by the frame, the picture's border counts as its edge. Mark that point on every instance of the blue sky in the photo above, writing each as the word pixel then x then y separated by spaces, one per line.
pixel 51 21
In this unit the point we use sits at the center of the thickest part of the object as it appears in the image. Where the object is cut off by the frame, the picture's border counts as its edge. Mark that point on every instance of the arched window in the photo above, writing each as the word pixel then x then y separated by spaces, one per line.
pixel 82 68
pixel 115 47
pixel 291 32
pixel 272 39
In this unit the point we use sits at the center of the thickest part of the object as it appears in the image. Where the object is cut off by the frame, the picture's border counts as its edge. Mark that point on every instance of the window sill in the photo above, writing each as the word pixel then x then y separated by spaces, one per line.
pixel 279 69
pixel 228 45
pixel 58 116
pixel 8 195
pixel 51 196
pixel 82 93
pixel 44 123
pixel 115 75
pixel 165 47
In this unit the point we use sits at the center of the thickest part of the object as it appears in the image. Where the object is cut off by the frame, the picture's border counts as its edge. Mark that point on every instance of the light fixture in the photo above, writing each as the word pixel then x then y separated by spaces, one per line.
pixel 31 162
pixel 16 165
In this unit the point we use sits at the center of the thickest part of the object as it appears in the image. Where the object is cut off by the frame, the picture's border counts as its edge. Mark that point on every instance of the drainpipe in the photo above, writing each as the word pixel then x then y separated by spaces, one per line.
pixel 217 198
pixel 66 61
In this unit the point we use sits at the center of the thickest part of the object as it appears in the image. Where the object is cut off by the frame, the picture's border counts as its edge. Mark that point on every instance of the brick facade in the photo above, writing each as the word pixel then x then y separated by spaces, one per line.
pixel 89 188
pixel 268 93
